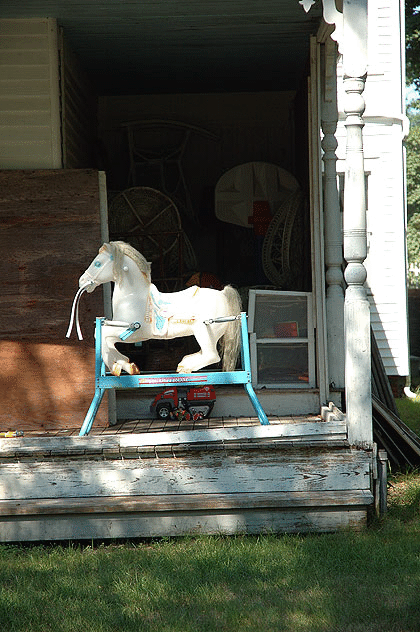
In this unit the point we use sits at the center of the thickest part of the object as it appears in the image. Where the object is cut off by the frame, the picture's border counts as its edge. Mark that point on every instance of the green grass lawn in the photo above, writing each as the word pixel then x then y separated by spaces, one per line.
pixel 366 581
pixel 409 410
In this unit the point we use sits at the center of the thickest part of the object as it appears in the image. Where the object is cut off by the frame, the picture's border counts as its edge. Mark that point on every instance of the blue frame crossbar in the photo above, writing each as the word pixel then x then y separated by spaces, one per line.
pixel 104 380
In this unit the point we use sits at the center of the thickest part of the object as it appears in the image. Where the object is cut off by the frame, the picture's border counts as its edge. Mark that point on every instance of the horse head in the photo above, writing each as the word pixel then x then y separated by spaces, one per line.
pixel 114 260
pixel 118 262
pixel 101 270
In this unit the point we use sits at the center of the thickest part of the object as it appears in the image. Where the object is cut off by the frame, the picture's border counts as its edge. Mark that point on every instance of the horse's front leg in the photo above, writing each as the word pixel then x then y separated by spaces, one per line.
pixel 207 337
pixel 114 360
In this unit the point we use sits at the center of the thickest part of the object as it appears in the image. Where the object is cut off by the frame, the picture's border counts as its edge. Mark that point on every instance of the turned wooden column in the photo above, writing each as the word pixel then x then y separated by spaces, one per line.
pixel 350 32
pixel 332 222
pixel 356 306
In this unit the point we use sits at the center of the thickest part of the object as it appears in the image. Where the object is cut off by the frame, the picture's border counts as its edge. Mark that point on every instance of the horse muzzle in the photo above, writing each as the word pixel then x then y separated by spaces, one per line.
pixel 87 283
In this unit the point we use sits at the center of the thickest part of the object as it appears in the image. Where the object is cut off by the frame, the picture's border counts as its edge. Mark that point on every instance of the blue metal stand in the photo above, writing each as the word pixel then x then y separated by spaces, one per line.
pixel 104 381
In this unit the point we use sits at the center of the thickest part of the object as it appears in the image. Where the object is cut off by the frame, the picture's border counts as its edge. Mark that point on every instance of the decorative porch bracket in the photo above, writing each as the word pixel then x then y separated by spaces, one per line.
pixel 351 36
pixel 331 15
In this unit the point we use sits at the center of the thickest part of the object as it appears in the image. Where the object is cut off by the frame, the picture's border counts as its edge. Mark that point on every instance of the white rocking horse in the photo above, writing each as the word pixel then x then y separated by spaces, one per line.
pixel 148 313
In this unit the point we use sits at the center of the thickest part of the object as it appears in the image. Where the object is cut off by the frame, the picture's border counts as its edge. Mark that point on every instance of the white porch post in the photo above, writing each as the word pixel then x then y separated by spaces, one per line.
pixel 356 306
pixel 351 35
pixel 333 230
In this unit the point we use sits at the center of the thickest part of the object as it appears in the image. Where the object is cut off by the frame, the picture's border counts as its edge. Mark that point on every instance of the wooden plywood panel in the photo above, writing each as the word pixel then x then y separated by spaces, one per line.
pixel 46 386
pixel 49 232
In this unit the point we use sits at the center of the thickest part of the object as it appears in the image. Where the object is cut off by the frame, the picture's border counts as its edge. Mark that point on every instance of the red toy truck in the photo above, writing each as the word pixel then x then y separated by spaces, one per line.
pixel 195 403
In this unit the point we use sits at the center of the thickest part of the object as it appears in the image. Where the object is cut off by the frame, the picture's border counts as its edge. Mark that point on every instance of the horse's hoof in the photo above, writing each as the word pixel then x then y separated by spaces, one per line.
pixel 133 369
pixel 116 369
pixel 181 369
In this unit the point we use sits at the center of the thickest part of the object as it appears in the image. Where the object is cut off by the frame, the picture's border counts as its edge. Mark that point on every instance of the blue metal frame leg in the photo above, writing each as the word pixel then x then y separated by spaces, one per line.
pixel 246 363
pixel 91 413
pixel 99 372
pixel 256 404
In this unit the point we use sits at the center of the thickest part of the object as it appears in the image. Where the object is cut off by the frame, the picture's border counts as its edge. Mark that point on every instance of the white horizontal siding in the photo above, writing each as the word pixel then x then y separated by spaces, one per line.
pixel 386 260
pixel 29 95
pixel 384 92
pixel 382 137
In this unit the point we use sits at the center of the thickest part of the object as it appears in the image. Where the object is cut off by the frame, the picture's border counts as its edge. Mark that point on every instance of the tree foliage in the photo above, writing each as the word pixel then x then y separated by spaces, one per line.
pixel 412 28
pixel 413 198
pixel 412 15
pixel 413 170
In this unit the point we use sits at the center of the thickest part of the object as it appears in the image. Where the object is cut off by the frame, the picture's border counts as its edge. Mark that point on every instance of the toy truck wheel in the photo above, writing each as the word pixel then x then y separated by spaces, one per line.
pixel 163 410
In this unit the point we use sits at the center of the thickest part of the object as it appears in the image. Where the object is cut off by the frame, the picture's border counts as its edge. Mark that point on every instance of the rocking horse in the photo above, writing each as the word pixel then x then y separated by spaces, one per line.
pixel 141 312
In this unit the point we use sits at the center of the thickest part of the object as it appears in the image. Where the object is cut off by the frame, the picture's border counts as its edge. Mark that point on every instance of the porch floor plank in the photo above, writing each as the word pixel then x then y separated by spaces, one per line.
pixel 138 426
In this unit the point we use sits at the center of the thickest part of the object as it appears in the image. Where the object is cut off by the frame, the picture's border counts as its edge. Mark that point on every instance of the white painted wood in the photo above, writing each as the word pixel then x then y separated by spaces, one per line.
pixel 107 291
pixel 332 219
pixel 213 472
pixel 317 222
pixel 185 502
pixel 356 306
pixel 292 431
pixel 29 89
pixel 100 527
pixel 335 18
pixel 385 127
pixel 240 433
pixel 152 516
pixel 257 343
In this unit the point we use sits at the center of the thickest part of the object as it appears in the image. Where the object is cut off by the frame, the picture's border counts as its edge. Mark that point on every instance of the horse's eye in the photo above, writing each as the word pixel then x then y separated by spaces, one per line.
pixel 98 264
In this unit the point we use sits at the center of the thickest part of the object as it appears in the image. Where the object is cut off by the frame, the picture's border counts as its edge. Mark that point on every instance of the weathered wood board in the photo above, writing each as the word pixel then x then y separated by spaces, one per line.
pixel 207 472
pixel 212 491
pixel 184 502
pixel 50 230
pixel 123 445
pixel 103 526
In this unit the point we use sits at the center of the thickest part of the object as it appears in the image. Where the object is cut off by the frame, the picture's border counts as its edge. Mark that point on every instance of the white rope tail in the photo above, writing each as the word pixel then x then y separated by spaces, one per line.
pixel 75 312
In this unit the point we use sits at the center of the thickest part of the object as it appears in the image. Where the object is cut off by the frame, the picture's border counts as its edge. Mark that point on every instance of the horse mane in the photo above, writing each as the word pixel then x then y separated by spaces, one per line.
pixel 118 249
